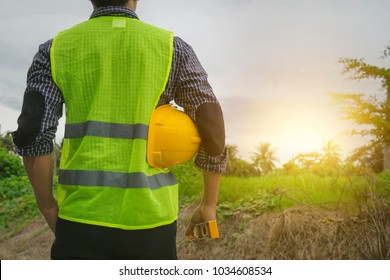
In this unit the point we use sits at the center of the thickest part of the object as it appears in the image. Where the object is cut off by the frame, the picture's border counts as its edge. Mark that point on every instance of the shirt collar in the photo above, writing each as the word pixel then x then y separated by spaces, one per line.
pixel 114 11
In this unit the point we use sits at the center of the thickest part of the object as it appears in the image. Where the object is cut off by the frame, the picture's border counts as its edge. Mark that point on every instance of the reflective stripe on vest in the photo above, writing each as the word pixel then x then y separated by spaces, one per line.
pixel 111 76
pixel 102 129
pixel 115 179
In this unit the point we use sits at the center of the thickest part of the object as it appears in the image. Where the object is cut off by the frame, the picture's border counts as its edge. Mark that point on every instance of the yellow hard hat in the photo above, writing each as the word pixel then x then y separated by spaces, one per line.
pixel 172 138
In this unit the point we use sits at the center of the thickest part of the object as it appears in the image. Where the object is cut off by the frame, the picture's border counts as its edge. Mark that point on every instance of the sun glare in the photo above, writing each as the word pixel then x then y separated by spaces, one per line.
pixel 304 139
pixel 304 130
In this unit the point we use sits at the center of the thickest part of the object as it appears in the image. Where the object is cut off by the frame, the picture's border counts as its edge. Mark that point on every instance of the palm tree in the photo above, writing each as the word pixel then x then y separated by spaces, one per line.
pixel 264 158
pixel 331 157
pixel 237 166
pixel 232 159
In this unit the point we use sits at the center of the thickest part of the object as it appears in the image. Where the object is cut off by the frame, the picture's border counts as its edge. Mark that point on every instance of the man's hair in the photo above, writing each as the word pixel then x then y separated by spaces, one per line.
pixel 105 3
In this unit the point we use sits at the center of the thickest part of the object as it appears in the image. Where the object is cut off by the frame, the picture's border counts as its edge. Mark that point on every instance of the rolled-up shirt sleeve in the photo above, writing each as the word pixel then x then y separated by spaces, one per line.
pixel 42 108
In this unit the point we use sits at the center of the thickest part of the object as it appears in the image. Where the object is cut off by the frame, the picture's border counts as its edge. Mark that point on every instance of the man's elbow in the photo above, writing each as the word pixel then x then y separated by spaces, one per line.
pixel 211 127
pixel 30 120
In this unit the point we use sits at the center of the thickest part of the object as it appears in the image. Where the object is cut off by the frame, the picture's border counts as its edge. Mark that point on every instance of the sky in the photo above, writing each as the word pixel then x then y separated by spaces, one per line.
pixel 271 63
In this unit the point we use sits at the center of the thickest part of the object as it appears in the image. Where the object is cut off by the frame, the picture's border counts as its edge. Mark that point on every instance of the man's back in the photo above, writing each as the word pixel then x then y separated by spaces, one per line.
pixel 86 174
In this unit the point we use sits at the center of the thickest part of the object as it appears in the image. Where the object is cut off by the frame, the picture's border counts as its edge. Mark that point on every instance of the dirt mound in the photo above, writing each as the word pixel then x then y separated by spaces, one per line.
pixel 296 233
pixel 32 243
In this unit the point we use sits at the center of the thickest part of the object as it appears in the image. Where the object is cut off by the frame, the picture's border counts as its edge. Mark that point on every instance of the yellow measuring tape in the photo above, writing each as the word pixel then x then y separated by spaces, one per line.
pixel 206 230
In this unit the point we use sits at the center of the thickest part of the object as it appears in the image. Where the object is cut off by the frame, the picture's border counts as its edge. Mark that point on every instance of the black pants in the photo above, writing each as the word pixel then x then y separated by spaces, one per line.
pixel 82 241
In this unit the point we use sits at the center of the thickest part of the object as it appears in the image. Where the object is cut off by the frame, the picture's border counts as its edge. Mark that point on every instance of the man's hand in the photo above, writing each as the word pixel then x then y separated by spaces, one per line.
pixel 51 216
pixel 200 215
pixel 206 211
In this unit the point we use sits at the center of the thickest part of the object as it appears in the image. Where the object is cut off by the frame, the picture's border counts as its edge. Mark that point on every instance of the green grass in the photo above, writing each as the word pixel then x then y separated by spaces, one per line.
pixel 279 191
pixel 254 195
pixel 284 191
pixel 17 202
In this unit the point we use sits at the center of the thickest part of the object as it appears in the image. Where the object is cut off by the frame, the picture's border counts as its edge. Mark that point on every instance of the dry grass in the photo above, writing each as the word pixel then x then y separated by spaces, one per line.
pixel 297 233
pixel 300 233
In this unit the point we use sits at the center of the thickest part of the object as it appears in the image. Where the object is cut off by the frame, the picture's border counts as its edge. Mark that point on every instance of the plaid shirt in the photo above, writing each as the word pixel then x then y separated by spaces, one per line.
pixel 187 86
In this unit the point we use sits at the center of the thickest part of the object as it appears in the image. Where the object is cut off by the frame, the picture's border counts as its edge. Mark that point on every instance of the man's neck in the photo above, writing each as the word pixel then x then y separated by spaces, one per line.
pixel 132 4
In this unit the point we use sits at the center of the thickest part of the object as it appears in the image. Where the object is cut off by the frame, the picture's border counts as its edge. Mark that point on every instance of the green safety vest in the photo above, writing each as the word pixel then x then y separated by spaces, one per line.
pixel 111 71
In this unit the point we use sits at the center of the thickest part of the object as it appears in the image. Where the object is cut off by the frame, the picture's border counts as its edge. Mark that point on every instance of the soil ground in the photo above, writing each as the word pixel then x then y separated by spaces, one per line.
pixel 296 233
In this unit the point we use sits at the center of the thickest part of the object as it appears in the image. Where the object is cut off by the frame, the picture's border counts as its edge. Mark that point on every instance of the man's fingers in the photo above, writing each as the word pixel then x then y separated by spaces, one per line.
pixel 190 228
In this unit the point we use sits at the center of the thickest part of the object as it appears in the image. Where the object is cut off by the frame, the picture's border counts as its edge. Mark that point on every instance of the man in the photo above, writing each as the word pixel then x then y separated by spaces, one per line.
pixel 111 72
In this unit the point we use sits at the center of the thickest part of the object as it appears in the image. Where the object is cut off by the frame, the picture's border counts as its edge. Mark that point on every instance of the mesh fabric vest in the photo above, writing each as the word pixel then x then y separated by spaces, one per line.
pixel 111 72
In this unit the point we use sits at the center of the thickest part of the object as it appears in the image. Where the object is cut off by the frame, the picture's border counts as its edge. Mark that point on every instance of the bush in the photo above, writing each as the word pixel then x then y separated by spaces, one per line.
pixel 17 201
pixel 190 181
pixel 10 165
pixel 383 183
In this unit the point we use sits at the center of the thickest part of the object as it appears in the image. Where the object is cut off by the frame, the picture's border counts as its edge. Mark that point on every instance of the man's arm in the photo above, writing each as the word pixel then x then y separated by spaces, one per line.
pixel 40 172
pixel 37 124
pixel 206 210
pixel 188 86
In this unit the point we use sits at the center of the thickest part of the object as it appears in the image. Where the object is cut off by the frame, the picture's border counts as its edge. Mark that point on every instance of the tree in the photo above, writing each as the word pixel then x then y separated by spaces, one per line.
pixel 237 166
pixel 232 159
pixel 370 114
pixel 324 163
pixel 308 160
pixel 10 164
pixel 331 156
pixel 264 158
pixel 370 156
pixel 6 142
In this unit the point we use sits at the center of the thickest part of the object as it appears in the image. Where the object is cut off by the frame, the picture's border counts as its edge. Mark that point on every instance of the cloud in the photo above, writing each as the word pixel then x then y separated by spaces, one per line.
pixel 19 41
pixel 12 9
pixel 265 59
